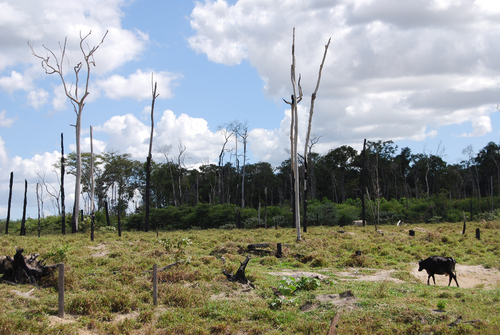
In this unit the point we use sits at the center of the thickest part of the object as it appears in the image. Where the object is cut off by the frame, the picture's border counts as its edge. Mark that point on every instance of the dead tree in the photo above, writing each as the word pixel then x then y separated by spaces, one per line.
pixel 148 161
pixel 92 209
pixel 72 92
pixel 9 203
pixel 63 206
pixel 38 196
pixel 25 204
pixel 296 98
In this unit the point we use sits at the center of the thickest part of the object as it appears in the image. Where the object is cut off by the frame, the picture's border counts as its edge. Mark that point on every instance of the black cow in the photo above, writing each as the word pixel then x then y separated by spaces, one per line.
pixel 440 266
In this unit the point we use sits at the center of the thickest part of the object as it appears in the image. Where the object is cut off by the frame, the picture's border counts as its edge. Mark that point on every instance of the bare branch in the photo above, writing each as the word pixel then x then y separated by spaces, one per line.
pixel 313 98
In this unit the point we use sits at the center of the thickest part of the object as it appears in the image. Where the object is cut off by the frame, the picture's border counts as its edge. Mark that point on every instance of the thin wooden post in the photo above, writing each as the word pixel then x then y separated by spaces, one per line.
pixel 155 284
pixel 279 254
pixel 61 290
pixel 463 230
pixel 478 234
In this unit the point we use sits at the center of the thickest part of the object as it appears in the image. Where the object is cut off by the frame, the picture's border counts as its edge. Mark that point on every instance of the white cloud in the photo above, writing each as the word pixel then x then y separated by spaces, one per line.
pixel 4 121
pixel 15 82
pixel 394 70
pixel 138 85
pixel 481 126
pixel 38 98
pixel 49 22
pixel 128 134
pixel 60 99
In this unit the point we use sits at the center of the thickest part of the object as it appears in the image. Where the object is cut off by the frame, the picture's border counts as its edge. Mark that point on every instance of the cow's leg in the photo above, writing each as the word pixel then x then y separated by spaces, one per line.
pixel 434 279
pixel 428 280
pixel 455 277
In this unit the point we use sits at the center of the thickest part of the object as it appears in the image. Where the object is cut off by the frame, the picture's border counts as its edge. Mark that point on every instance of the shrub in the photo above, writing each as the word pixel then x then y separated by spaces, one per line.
pixel 347 214
pixel 327 213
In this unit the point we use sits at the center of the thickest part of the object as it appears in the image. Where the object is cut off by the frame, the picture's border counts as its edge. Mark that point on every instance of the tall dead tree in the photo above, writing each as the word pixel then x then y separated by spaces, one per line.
pixel 63 206
pixel 92 214
pixel 244 139
pixel 76 98
pixel 296 98
pixel 25 204
pixel 9 203
pixel 38 202
pixel 148 161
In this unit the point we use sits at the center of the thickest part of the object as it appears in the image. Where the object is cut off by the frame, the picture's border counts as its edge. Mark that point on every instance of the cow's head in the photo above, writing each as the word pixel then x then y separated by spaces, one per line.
pixel 420 267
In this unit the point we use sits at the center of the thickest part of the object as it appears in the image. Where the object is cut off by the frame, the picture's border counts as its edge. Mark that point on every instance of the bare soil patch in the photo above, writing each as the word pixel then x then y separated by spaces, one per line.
pixel 298 274
pixel 101 246
pixel 468 276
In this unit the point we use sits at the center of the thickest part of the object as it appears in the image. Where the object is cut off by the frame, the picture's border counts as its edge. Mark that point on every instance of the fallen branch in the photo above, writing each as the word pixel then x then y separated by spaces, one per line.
pixel 333 326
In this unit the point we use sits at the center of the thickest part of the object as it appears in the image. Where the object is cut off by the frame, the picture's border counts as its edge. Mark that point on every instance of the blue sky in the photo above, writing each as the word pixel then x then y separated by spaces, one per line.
pixel 423 73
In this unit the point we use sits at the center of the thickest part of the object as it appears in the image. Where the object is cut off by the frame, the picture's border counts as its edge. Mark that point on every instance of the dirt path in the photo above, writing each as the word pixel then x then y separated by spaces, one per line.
pixel 468 276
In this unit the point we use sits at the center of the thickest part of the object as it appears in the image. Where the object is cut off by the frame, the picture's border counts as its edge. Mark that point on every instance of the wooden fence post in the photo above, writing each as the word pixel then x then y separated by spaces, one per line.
pixel 463 230
pixel 155 284
pixel 279 254
pixel 478 234
pixel 61 290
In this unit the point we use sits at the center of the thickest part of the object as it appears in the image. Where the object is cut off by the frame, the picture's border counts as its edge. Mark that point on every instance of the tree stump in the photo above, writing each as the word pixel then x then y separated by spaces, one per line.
pixel 240 274
pixel 22 269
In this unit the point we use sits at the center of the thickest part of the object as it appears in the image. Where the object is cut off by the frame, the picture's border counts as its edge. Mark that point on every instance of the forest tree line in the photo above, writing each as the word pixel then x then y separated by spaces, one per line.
pixel 389 174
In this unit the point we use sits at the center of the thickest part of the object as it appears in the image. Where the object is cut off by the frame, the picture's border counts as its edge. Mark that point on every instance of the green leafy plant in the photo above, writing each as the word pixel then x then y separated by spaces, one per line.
pixel 59 254
pixel 289 285
pixel 278 302
pixel 441 305
pixel 178 249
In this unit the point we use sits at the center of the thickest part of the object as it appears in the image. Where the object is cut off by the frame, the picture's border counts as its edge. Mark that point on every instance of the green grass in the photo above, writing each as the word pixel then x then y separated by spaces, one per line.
pixel 196 298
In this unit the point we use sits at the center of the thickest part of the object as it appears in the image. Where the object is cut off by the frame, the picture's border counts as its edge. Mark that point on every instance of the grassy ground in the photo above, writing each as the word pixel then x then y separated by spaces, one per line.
pixel 108 289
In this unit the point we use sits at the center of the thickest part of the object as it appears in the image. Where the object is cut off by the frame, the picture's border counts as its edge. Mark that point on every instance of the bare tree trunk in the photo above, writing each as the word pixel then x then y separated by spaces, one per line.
pixel 296 98
pixel 9 203
pixel 180 164
pixel 363 211
pixel 148 160
pixel 244 139
pixel 23 221
pixel 92 215
pixel 63 206
pixel 38 202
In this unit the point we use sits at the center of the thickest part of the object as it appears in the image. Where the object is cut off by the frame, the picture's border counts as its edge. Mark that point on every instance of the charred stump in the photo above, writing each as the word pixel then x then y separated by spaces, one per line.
pixel 240 274
pixel 23 269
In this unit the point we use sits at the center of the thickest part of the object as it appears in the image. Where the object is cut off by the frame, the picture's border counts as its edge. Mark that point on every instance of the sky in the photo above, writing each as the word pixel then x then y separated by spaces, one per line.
pixel 422 73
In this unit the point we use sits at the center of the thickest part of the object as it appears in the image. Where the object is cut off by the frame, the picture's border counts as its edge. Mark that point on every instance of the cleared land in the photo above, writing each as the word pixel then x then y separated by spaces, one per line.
pixel 109 286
